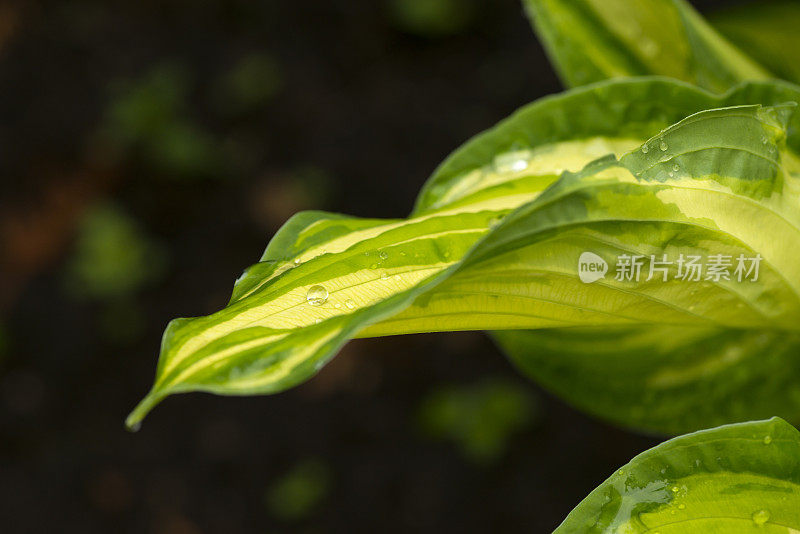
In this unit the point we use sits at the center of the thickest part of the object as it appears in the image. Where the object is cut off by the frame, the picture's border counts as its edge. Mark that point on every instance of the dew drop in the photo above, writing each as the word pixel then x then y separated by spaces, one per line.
pixel 337 305
pixel 317 295
pixel 645 150
pixel 681 506
pixel 373 266
pixel 663 146
pixel 402 253
pixel 671 174
pixel 351 305
pixel 767 440
pixel 383 255
pixel 760 517
pixel 297 261
pixel 764 140
pixel 384 276
pixel 620 472
pixel 512 161
pixel 676 167
pixel 317 320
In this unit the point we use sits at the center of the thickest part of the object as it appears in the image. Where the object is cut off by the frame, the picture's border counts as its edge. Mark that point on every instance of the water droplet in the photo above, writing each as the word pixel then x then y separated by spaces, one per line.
pixel 351 305
pixel 681 506
pixel 317 320
pixel 384 276
pixel 671 174
pixel 317 295
pixel 383 255
pixel 764 140
pixel 760 517
pixel 337 305
pixel 402 253
pixel 494 221
pixel 767 440
pixel 663 146
pixel 675 489
pixel 620 472
pixel 373 266
pixel 650 47
pixel 512 161
pixel 645 150
pixel 297 261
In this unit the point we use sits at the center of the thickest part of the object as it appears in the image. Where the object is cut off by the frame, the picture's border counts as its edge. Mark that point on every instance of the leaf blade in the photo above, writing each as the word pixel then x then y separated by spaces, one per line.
pixel 593 40
pixel 743 477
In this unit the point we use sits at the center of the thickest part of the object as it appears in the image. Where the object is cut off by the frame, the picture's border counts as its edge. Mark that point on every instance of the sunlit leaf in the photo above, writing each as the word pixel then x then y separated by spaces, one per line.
pixel 495 239
pixel 593 40
pixel 738 478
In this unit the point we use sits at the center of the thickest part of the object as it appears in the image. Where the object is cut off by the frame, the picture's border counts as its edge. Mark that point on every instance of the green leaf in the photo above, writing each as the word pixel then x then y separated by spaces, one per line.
pixel 495 239
pixel 664 379
pixel 733 479
pixel 593 40
pixel 767 32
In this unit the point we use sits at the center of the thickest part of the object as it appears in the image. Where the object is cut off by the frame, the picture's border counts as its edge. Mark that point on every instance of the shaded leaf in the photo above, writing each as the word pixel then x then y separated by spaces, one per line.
pixel 767 32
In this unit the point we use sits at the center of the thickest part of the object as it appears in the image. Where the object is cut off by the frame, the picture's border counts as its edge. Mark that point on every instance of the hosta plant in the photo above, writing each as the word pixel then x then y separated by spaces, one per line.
pixel 573 231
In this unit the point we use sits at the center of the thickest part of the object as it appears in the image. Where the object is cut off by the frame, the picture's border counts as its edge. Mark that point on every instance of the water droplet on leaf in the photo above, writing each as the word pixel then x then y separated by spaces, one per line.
pixel 383 255
pixel 663 146
pixel 317 295
pixel 760 517
pixel 350 304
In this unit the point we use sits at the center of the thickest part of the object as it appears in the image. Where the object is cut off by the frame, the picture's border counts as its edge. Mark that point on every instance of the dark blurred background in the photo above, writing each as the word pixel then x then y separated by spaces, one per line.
pixel 148 151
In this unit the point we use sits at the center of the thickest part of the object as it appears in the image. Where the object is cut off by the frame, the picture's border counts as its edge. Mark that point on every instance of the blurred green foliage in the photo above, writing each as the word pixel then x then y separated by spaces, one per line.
pixel 298 493
pixel 112 258
pixel 252 82
pixel 432 18
pixel 479 419
pixel 769 31
pixel 148 119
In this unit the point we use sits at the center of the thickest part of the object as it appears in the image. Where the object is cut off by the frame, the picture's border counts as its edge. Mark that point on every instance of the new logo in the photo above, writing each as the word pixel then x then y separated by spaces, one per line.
pixel 591 267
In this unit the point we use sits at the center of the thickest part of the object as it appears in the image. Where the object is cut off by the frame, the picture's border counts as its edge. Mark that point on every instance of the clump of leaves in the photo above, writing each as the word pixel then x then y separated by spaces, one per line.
pixel 681 146
pixel 642 166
